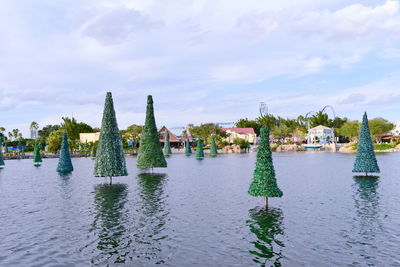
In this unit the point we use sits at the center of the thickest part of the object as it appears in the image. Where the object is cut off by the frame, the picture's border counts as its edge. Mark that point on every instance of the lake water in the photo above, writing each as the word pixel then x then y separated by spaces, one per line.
pixel 198 213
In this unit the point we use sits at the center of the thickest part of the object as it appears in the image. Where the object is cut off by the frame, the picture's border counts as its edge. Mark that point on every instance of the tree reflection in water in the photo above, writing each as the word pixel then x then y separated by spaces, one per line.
pixel 268 227
pixel 152 218
pixel 109 223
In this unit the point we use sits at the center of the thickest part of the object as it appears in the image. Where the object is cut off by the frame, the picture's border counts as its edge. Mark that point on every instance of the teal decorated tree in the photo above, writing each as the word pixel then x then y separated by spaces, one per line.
pixel 1 152
pixel 64 162
pixel 213 148
pixel 167 147
pixel 110 159
pixel 150 153
pixel 264 180
pixel 37 158
pixel 365 158
pixel 199 150
pixel 188 149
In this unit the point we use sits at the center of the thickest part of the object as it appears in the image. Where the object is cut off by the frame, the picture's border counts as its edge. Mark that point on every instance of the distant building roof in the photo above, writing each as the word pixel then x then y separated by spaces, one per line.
pixel 172 137
pixel 321 127
pixel 240 130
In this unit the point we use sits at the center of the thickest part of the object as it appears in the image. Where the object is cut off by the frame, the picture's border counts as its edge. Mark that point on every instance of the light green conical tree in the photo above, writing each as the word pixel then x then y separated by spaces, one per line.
pixel 110 159
pixel 188 149
pixel 199 150
pixel 37 158
pixel 1 153
pixel 264 181
pixel 365 158
pixel 167 147
pixel 213 148
pixel 64 162
pixel 150 154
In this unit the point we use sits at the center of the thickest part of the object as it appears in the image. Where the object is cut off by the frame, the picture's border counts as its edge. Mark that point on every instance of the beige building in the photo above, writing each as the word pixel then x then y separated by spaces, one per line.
pixel 243 133
pixel 89 137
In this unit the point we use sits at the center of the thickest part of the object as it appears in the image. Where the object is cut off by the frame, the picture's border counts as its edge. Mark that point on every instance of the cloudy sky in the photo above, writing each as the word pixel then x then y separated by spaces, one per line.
pixel 202 60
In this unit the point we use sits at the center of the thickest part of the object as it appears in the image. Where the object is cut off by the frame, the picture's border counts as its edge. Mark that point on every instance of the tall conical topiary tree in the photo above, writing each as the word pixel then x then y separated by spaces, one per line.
pixel 199 150
pixel 213 148
pixel 188 149
pixel 150 153
pixel 37 158
pixel 264 181
pixel 1 153
pixel 167 147
pixel 110 159
pixel 365 158
pixel 64 162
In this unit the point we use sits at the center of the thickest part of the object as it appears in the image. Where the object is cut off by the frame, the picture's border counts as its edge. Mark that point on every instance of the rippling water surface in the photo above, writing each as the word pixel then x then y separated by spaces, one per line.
pixel 198 213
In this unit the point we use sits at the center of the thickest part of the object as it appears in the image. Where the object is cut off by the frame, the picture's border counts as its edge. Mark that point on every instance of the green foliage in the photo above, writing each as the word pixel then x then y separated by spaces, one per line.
pixel 37 158
pixel 384 146
pixel 243 143
pixel 365 157
pixel 150 152
pixel 188 149
pixel 167 147
pixel 264 181
pixel 379 126
pixel 133 132
pixel 205 130
pixel 45 132
pixel 350 129
pixel 1 152
pixel 199 150
pixel 110 160
pixel 281 131
pixel 213 149
pixel 64 162
pixel 54 140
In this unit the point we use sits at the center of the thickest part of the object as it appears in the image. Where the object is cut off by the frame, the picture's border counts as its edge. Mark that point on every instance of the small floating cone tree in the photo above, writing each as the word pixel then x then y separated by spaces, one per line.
pixel 199 150
pixel 167 147
pixel 365 158
pixel 65 163
pixel 110 159
pixel 264 181
pixel 150 154
pixel 188 149
pixel 37 158
pixel 1 153
pixel 213 148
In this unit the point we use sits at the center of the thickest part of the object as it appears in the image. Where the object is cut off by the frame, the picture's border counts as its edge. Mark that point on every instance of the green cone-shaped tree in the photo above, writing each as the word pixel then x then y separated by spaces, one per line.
pixel 1 152
pixel 213 148
pixel 365 157
pixel 188 149
pixel 64 162
pixel 199 150
pixel 167 147
pixel 110 159
pixel 264 181
pixel 37 158
pixel 150 153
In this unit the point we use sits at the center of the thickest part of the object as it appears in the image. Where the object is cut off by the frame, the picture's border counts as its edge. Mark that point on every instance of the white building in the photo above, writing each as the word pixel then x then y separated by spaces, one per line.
pixel 396 130
pixel 321 135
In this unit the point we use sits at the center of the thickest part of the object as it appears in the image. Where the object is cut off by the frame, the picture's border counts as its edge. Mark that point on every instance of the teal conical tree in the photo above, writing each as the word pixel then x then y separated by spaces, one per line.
pixel 264 181
pixel 150 153
pixel 1 153
pixel 37 158
pixel 188 149
pixel 213 148
pixel 365 158
pixel 199 150
pixel 167 147
pixel 110 159
pixel 64 162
